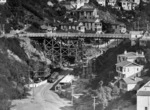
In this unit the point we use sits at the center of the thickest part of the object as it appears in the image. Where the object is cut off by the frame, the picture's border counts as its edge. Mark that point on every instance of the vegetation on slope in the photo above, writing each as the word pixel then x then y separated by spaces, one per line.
pixel 105 64
pixel 108 94
pixel 140 16
pixel 13 74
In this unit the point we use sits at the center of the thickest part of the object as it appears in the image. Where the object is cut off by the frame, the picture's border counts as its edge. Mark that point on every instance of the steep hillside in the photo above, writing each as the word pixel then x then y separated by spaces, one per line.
pixel 13 71
pixel 15 55
pixel 17 13
pixel 105 64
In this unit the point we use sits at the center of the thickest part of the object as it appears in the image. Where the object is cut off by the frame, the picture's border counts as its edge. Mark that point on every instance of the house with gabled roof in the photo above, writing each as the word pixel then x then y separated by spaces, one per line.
pixel 112 2
pixel 130 56
pixel 71 26
pixel 126 69
pixel 128 5
pixel 81 3
pixel 88 15
pixel 3 1
pixel 102 2
pixel 130 83
pixel 143 97
pixel 87 11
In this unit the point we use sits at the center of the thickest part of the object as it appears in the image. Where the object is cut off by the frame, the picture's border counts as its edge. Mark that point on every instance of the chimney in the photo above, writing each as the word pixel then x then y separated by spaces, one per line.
pixel 125 52
pixel 136 53
pixel 134 78
pixel 142 53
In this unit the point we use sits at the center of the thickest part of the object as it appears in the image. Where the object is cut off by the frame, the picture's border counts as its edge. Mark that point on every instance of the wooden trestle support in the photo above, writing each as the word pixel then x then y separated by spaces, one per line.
pixel 57 49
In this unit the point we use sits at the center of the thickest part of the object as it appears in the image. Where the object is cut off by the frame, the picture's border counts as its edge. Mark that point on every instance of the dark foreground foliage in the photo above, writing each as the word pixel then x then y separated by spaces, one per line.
pixel 13 74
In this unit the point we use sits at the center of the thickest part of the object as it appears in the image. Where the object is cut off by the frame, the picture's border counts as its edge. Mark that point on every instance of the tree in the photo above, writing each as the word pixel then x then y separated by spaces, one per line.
pixel 102 95
pixel 147 55
pixel 115 90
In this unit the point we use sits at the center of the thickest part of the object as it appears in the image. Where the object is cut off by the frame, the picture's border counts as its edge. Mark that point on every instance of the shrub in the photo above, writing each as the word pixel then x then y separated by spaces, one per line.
pixel 13 44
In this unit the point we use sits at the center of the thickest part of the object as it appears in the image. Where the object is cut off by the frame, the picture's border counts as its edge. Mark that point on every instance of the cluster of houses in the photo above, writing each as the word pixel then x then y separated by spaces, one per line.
pixel 118 4
pixel 89 19
pixel 128 70
pixel 130 76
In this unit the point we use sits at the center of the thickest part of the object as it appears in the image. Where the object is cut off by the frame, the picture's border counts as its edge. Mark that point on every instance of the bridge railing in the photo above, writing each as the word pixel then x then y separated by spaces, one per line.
pixel 81 35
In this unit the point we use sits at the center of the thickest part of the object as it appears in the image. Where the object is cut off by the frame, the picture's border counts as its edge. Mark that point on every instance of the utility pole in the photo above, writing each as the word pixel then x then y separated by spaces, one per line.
pixel 138 25
pixel 94 102
pixel 135 26
pixel 72 92
pixel 29 70
pixel 147 25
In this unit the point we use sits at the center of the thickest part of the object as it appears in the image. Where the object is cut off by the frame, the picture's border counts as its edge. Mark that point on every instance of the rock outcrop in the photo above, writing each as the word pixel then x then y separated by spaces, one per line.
pixel 32 52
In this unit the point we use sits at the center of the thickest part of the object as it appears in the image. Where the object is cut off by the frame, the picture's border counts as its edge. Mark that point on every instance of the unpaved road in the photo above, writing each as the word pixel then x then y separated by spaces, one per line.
pixel 44 99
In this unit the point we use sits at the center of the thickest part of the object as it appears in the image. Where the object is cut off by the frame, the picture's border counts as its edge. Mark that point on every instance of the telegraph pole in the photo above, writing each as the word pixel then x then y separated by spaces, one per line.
pixel 147 25
pixel 72 92
pixel 94 102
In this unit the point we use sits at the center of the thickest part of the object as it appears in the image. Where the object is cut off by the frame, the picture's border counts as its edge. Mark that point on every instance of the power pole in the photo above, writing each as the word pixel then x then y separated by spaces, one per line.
pixel 72 92
pixel 94 102
pixel 147 25
pixel 138 25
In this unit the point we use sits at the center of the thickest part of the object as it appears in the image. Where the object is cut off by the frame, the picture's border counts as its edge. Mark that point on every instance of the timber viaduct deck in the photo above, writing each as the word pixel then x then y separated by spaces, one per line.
pixel 76 35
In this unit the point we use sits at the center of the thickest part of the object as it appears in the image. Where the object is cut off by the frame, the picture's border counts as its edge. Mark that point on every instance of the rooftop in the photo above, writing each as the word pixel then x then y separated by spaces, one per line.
pixel 67 79
pixel 129 1
pixel 132 54
pixel 87 20
pixel 132 80
pixel 136 32
pixel 127 63
pixel 87 7
pixel 145 90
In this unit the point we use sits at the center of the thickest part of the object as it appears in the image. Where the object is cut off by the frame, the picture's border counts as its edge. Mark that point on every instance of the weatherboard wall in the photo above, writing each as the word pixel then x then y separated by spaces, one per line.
pixel 143 102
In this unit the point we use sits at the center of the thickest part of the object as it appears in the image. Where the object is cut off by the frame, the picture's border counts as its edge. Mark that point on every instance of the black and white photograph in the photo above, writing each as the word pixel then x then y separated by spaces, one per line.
pixel 74 54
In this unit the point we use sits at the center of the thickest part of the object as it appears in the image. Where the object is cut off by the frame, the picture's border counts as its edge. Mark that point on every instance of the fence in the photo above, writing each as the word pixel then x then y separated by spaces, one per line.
pixel 36 84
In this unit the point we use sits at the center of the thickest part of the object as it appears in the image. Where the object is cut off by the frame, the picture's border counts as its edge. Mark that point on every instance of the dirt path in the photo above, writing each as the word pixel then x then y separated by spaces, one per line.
pixel 44 99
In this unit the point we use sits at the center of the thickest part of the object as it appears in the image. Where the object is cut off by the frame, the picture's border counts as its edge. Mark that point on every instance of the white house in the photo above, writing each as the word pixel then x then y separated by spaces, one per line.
pixel 102 2
pixel 145 39
pixel 130 83
pixel 81 3
pixel 129 56
pixel 143 97
pixel 3 1
pixel 67 79
pixel 136 34
pixel 126 69
pixel 146 1
pixel 137 1
pixel 112 2
pixel 98 26
pixel 128 5
pixel 81 27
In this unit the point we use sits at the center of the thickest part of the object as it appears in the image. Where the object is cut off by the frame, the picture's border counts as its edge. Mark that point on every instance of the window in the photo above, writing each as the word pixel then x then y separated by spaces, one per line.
pixel 123 58
pixel 124 69
pixel 122 75
pixel 124 86
pixel 119 59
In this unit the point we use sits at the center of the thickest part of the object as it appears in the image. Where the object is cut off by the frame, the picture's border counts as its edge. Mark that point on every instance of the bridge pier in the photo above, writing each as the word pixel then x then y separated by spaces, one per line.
pixel 59 49
pixel 59 46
